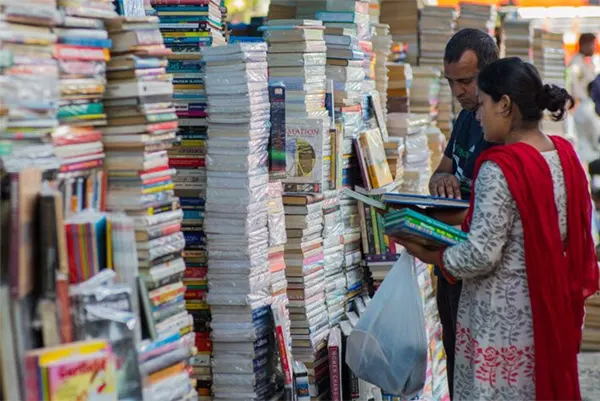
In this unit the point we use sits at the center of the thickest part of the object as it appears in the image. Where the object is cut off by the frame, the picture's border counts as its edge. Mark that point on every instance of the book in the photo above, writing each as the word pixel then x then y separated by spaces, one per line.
pixel 422 229
pixel 424 201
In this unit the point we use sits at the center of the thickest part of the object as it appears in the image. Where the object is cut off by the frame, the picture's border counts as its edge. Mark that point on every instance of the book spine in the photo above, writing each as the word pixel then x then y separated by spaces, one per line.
pixel 376 232
pixel 335 369
pixel 369 228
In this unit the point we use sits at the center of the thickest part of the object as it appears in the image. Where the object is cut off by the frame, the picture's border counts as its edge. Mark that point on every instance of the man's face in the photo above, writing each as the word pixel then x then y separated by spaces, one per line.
pixel 588 49
pixel 462 77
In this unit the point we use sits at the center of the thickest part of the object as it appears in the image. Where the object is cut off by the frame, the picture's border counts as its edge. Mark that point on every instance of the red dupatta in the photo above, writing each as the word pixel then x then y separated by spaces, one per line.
pixel 559 278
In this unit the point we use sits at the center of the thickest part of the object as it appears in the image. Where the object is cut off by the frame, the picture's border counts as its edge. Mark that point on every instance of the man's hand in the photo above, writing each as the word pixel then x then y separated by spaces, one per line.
pixel 444 185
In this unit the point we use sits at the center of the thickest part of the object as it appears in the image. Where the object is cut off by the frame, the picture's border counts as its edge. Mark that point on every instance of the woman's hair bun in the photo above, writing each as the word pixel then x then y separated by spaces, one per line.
pixel 554 99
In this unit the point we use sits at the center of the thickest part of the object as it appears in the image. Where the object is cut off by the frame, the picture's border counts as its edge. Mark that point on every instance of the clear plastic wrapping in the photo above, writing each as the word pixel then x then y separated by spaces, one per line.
pixel 256 161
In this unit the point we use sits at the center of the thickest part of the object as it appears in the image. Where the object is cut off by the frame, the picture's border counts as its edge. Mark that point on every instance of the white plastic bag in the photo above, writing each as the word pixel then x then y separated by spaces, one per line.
pixel 388 346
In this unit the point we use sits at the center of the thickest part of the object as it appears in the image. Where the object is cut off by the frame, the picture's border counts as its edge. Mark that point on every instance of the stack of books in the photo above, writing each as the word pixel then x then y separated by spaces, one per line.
pixel 394 152
pixel 399 83
pixel 141 127
pixel 425 91
pixel 477 16
pixel 517 39
pixel 382 46
pixel 165 368
pixel 29 85
pixel 436 142
pixel 420 228
pixel 333 249
pixel 282 9
pixel 82 53
pixel 436 26
pixel 347 37
pixel 417 156
pixel 236 221
pixel 306 287
pixel 549 59
pixel 374 11
pixel 403 18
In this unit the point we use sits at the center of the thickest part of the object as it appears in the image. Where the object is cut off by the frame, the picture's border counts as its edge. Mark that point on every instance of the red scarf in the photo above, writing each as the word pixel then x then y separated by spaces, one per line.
pixel 559 282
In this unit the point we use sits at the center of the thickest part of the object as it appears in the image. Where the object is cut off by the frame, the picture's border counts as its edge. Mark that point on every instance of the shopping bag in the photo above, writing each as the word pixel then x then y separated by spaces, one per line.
pixel 388 346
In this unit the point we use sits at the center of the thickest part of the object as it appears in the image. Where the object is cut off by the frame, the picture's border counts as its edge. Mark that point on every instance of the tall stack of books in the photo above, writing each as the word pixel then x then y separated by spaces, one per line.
pixel 306 287
pixel 398 93
pixel 403 17
pixel 417 157
pixel 29 85
pixel 333 249
pixel 236 221
pixel 477 16
pixel 517 39
pixel 436 25
pixel 374 11
pixel 382 46
pixel 436 142
pixel 425 91
pixel 282 9
pixel 549 59
pixel 141 127
pixel 296 59
pixel 82 53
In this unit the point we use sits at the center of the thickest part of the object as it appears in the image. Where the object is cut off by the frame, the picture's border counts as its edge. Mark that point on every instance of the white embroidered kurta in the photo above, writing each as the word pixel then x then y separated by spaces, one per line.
pixel 494 339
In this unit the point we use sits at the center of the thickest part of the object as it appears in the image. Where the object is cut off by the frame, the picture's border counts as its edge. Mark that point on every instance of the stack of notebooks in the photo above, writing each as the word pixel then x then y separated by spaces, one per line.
pixel 477 16
pixel 399 83
pixel 549 59
pixel 305 272
pixel 236 222
pixel 394 152
pixel 403 17
pixel 382 46
pixel 333 249
pixel 517 39
pixel 165 367
pixel 82 53
pixel 422 229
pixel 436 26
pixel 425 91
pixel 29 85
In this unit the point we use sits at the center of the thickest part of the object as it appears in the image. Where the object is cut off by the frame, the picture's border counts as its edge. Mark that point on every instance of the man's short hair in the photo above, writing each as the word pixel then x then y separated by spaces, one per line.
pixel 586 38
pixel 477 41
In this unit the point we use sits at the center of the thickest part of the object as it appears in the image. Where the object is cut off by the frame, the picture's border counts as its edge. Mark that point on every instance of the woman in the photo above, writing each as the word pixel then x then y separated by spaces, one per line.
pixel 529 262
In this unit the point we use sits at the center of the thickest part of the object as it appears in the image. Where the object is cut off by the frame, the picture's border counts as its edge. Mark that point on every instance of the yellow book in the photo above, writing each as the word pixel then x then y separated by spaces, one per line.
pixel 373 152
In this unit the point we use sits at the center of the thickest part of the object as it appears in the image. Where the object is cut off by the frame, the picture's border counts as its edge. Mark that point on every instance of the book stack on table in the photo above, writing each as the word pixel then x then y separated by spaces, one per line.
pixel 236 222
pixel 306 287
pixel 403 18
pixel 333 248
pixel 29 85
pixel 436 25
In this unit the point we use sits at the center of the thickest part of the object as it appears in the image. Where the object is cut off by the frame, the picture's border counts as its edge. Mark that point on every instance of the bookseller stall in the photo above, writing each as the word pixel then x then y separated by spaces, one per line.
pixel 195 211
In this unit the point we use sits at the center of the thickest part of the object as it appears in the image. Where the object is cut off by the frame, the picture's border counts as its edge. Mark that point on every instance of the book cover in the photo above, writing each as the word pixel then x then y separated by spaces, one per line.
pixel 304 155
pixel 375 160
pixel 277 145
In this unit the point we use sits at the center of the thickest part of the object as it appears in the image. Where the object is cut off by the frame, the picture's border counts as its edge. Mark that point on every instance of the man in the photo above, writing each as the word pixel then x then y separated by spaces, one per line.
pixel 467 52
pixel 584 67
pixel 587 123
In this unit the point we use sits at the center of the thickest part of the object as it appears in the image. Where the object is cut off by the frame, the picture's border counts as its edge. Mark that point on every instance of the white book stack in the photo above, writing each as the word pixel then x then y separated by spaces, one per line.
pixel 236 222
pixel 517 35
pixel 382 46
pixel 425 91
pixel 417 156
pixel 549 59
pixel 477 16
pixel 333 248
pixel 305 271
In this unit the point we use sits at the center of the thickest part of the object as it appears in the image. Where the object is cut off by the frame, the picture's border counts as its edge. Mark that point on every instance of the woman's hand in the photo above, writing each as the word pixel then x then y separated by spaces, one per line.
pixel 419 251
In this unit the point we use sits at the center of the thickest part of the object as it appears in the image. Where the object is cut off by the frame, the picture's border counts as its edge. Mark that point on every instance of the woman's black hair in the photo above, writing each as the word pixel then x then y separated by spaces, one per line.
pixel 521 82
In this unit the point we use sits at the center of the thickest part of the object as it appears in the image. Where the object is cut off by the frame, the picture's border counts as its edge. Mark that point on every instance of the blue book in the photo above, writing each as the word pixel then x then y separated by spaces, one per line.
pixel 87 42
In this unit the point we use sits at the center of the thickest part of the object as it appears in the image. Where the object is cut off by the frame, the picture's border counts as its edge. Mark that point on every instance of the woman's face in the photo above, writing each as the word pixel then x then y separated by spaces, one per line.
pixel 493 121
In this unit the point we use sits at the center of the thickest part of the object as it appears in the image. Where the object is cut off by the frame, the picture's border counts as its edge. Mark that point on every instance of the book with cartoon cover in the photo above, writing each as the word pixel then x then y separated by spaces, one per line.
pixel 304 154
